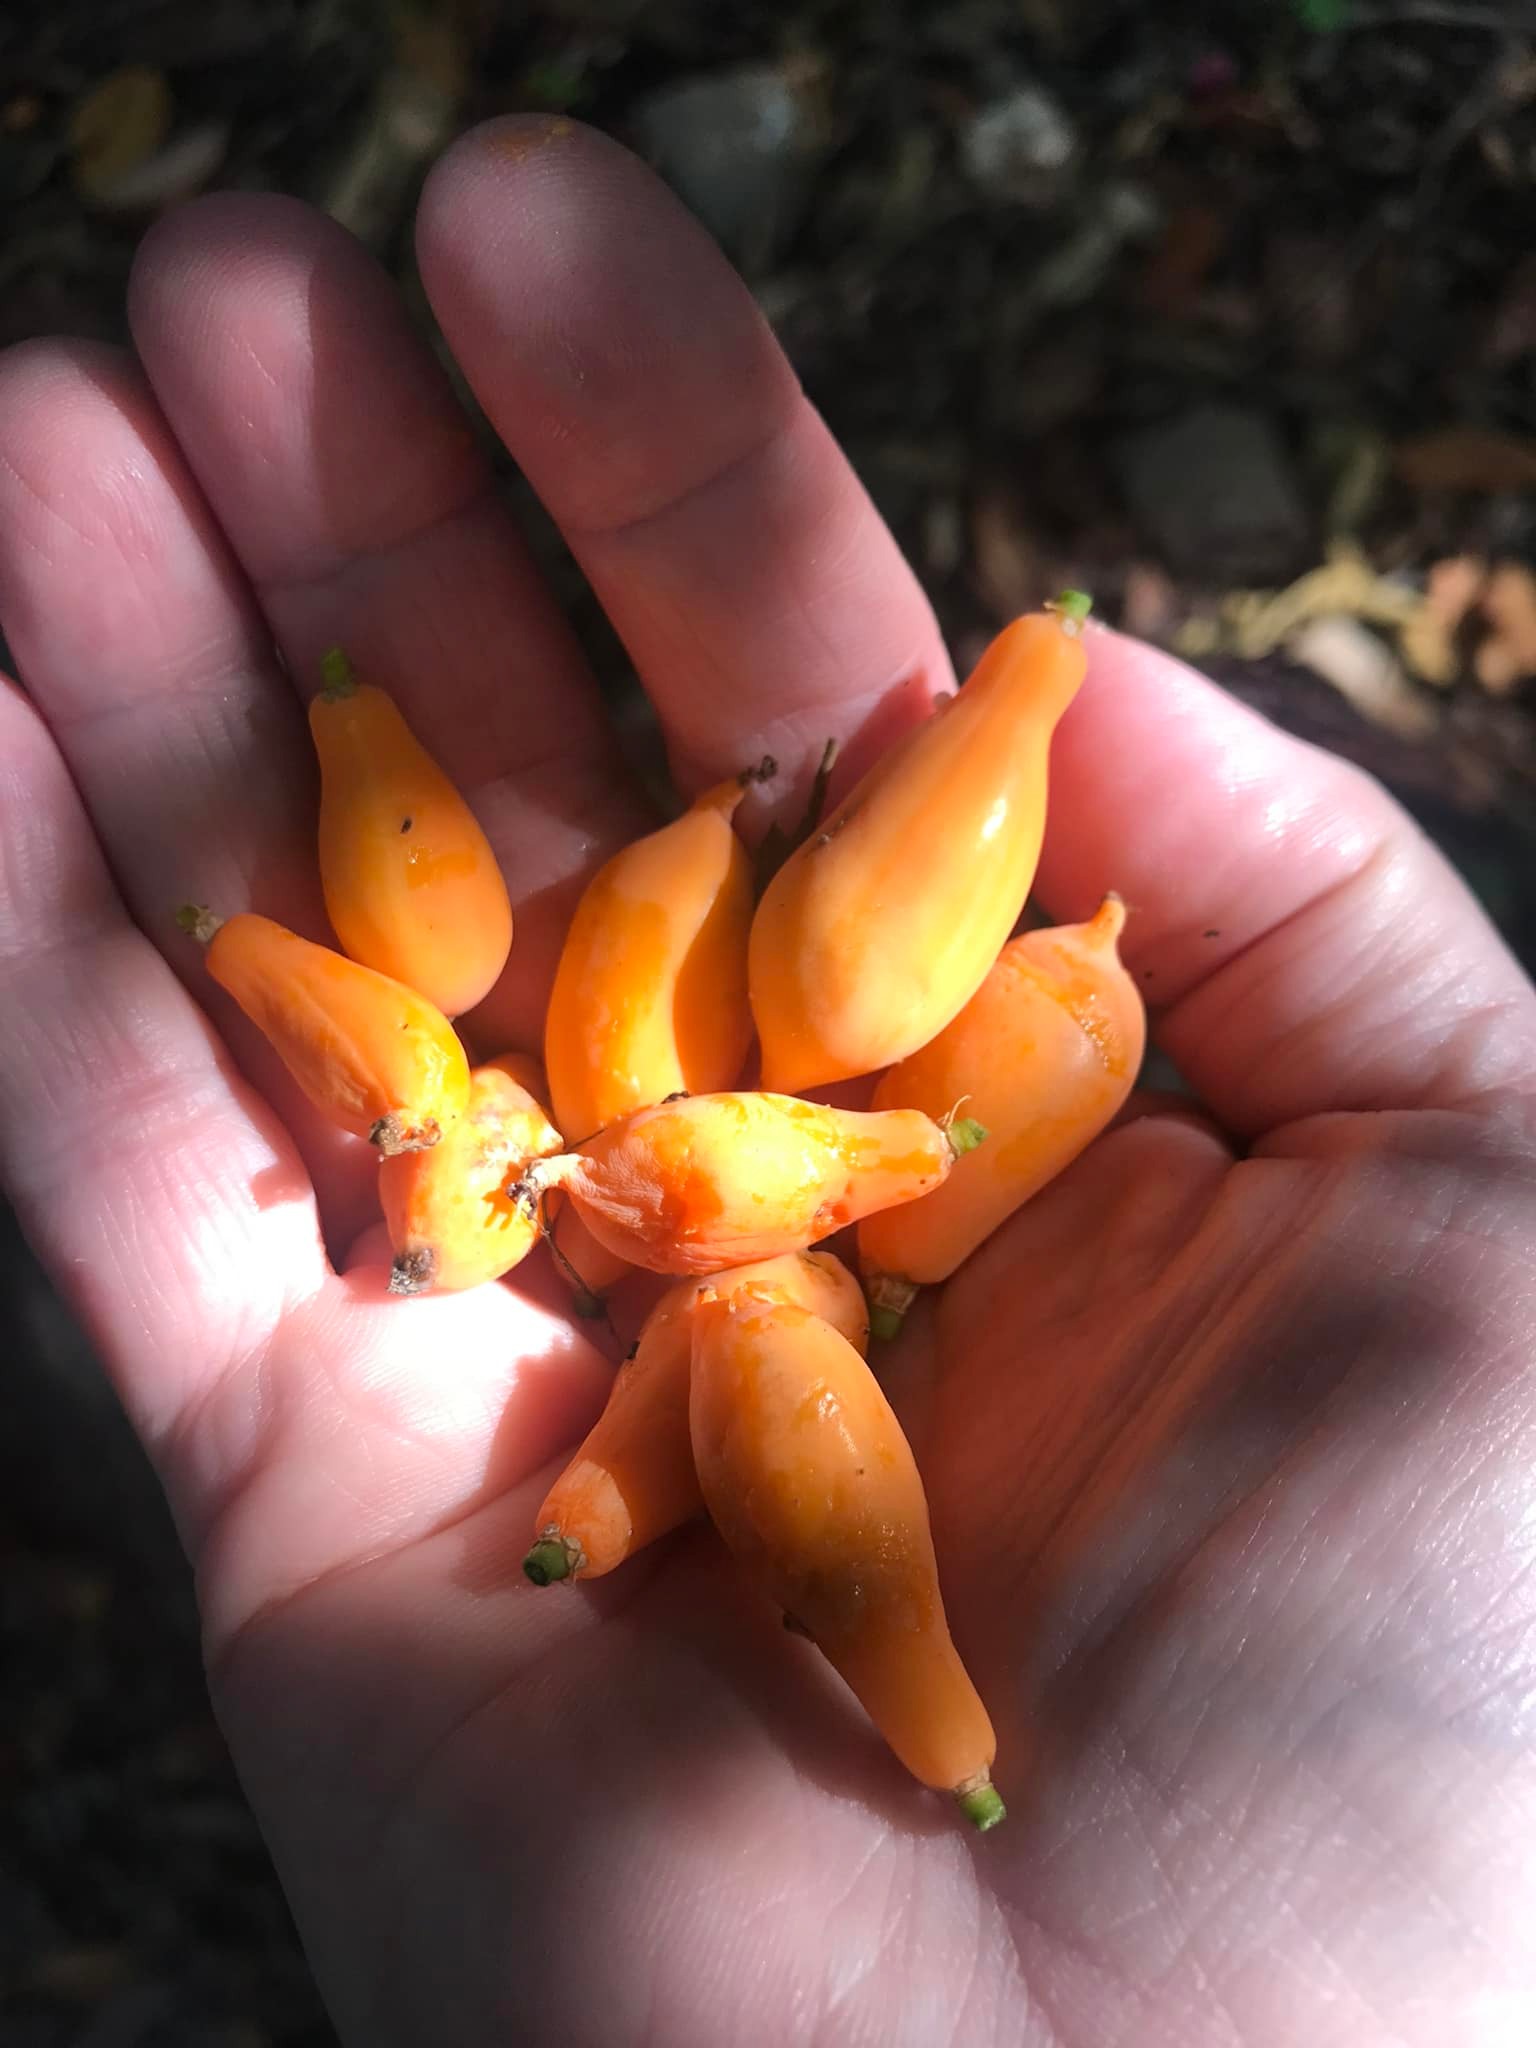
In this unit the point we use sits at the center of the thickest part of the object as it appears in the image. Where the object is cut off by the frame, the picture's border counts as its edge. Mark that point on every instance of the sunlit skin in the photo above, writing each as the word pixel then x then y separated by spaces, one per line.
pixel 1043 1055
pixel 451 1223
pixel 375 1057
pixel 882 926
pixel 632 1479
pixel 1232 1429
pixel 411 884
pixel 807 1476
pixel 710 1181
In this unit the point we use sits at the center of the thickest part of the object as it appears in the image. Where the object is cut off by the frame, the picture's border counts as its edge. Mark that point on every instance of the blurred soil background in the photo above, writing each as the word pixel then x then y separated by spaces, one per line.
pixel 1227 313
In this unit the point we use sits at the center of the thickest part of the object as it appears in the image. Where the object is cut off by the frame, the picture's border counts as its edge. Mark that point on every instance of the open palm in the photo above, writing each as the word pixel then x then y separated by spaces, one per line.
pixel 1230 1436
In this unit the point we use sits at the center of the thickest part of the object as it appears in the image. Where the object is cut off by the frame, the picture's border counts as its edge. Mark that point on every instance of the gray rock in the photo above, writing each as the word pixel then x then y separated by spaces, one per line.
pixel 1021 148
pixel 1214 491
pixel 741 148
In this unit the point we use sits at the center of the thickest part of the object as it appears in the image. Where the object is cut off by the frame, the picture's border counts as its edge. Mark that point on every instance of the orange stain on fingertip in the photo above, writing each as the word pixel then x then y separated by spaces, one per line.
pixel 517 145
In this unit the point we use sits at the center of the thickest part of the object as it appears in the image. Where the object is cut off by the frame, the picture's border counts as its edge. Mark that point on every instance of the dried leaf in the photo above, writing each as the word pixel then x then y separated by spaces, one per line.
pixel 1453 587
pixel 117 125
pixel 1258 622
pixel 1508 655
pixel 1198 638
pixel 1496 666
pixel 1365 671
pixel 1428 638
pixel 1474 459
pixel 176 172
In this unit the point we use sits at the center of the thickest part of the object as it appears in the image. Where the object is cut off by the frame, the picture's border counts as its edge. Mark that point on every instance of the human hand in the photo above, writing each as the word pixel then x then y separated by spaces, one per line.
pixel 1230 1435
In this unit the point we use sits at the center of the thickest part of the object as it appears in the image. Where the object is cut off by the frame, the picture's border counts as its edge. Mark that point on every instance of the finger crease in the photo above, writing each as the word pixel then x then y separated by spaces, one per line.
pixel 634 523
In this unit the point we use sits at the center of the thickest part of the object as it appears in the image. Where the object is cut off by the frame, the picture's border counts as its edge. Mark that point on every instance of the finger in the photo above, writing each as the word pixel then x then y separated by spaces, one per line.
pixel 162 1193
pixel 331 448
pixel 142 648
pixel 1306 947
pixel 1165 1103
pixel 624 364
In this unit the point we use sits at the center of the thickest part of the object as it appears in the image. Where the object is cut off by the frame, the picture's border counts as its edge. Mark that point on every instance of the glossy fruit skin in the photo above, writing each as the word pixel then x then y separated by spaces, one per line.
pixel 633 1479
pixel 650 996
pixel 411 885
pixel 527 1071
pixel 372 1055
pixel 882 926
pixel 451 1222
pixel 810 1481
pixel 1045 1054
pixel 713 1181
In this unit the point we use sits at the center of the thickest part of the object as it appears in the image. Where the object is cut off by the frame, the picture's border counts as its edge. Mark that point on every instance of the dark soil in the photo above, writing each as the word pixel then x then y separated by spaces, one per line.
pixel 1294 238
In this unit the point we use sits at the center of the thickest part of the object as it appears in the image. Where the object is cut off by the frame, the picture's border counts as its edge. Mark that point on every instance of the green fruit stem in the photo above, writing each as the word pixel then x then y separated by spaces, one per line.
pixel 979 1801
pixel 890 1296
pixel 338 675
pixel 552 1558
pixel 198 922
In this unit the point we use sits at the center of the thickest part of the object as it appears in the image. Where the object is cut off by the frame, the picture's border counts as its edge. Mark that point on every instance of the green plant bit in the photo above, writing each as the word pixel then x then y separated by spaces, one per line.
pixel 889 1299
pixel 979 1801
pixel 553 1558
pixel 198 922
pixel 1072 608
pixel 338 676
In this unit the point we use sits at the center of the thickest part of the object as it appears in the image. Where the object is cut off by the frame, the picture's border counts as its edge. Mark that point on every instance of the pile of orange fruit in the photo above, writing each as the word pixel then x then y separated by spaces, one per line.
pixel 884 946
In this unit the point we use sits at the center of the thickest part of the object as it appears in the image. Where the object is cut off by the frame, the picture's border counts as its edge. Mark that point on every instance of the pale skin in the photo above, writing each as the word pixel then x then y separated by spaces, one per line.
pixel 1230 1437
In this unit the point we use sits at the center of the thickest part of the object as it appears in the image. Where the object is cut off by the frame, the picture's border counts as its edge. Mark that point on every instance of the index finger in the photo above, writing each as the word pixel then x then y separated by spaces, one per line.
pixel 623 362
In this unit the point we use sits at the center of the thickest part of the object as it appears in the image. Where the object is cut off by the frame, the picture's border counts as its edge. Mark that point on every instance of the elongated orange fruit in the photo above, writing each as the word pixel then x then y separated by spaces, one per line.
pixel 710 1181
pixel 526 1070
pixel 451 1223
pixel 809 1479
pixel 371 1054
pixel 633 1478
pixel 650 996
pixel 1044 1054
pixel 883 925
pixel 411 884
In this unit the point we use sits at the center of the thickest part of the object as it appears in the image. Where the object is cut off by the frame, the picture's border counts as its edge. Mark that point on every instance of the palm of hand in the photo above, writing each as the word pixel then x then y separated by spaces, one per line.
pixel 1226 1458
pixel 1242 1760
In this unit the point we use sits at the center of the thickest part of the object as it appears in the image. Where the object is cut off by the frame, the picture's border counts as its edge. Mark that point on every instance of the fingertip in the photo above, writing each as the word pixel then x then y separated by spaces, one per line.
pixel 280 351
pixel 571 284
pixel 227 232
